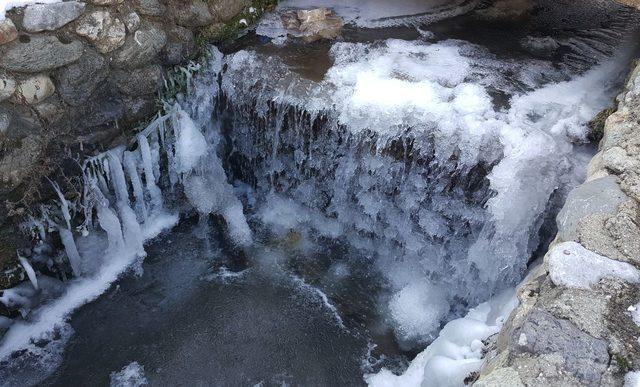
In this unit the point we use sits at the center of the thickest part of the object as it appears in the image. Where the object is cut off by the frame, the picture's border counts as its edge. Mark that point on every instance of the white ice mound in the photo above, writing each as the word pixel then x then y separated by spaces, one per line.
pixel 457 352
pixel 130 376
pixel 573 266
pixel 417 310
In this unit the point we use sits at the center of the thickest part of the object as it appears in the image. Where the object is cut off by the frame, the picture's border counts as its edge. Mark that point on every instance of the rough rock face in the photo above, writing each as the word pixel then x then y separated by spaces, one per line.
pixel 313 24
pixel 74 76
pixel 39 17
pixel 574 325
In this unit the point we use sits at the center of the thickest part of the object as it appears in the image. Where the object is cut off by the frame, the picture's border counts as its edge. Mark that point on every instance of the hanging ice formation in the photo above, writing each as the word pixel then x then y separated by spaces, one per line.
pixel 125 191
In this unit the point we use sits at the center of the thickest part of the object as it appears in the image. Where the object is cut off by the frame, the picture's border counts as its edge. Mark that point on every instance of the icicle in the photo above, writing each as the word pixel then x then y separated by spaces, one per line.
pixel 72 251
pixel 111 225
pixel 29 269
pixel 119 181
pixel 64 204
pixel 133 237
pixel 147 160
pixel 132 170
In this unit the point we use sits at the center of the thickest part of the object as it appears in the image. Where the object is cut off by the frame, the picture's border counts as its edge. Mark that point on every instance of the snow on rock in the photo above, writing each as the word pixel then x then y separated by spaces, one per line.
pixel 632 379
pixel 457 352
pixel 130 376
pixel 573 266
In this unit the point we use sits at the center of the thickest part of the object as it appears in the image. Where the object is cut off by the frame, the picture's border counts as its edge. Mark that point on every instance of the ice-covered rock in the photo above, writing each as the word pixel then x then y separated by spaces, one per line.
pixel 573 266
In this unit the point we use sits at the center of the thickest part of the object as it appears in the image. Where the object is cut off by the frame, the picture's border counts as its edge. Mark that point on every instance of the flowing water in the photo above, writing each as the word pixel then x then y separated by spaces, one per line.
pixel 316 212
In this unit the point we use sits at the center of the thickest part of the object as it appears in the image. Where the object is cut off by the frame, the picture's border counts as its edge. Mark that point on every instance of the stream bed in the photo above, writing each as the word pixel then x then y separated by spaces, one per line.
pixel 315 213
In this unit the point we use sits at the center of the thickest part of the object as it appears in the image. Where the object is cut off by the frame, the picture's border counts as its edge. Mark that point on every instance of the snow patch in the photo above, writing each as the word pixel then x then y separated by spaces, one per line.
pixel 573 266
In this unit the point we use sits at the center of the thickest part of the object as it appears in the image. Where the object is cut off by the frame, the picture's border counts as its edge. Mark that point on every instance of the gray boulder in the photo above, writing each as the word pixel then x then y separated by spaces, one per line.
pixel 39 53
pixel 181 45
pixel 600 196
pixel 50 17
pixel 193 13
pixel 140 48
pixel 584 356
pixel 103 29
pixel 150 7
pixel 78 81
pixel 138 82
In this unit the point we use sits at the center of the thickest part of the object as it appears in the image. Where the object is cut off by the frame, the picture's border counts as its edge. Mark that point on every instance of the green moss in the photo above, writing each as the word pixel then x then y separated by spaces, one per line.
pixel 221 32
pixel 596 126
pixel 623 363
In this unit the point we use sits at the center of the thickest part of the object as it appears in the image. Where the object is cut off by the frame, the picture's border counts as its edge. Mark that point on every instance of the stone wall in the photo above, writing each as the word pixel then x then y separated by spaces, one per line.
pixel 76 77
pixel 575 323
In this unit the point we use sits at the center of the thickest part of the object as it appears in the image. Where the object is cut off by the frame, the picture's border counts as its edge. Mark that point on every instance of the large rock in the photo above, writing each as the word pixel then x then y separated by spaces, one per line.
pixel 8 31
pixel 141 48
pixel 131 21
pixel 104 30
pixel 150 7
pixel 138 82
pixel 225 10
pixel 34 90
pixel 312 24
pixel 39 53
pixel 50 17
pixel 18 163
pixel 7 86
pixel 584 356
pixel 139 108
pixel 181 45
pixel 192 13
pixel 78 81
pixel 600 196
pixel 105 107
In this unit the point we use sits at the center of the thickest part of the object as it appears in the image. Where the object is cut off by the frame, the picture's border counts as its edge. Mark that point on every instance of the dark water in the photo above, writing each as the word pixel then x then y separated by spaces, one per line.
pixel 189 326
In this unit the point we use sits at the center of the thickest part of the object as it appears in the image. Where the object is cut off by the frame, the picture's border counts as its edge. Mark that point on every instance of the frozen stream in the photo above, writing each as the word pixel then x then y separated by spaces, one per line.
pixel 332 205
